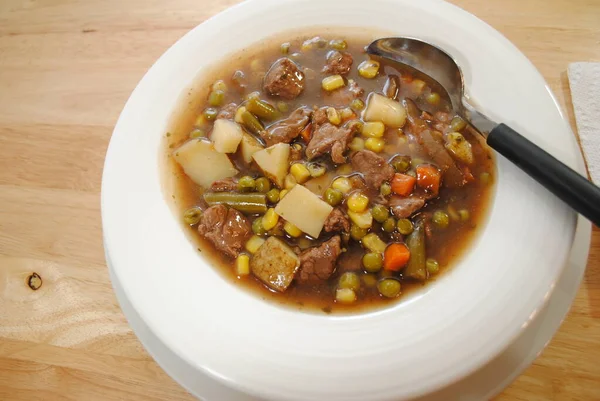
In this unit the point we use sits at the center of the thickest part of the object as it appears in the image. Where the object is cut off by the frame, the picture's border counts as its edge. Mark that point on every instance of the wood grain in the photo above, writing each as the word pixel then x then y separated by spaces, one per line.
pixel 66 70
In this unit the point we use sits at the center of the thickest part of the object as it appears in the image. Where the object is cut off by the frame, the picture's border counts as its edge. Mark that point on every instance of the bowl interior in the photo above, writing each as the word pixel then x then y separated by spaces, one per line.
pixel 439 336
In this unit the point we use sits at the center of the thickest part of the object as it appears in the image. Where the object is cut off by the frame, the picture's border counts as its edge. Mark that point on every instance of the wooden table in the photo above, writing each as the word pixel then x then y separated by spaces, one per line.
pixel 66 69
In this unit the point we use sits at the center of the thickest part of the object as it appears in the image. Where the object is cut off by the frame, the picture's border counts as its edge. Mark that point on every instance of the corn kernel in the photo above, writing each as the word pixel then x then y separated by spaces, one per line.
pixel 357 144
pixel 342 184
pixel 368 69
pixel 300 172
pixel 373 129
pixel 254 243
pixel 332 82
pixel 361 220
pixel 344 169
pixel 242 265
pixel 219 85
pixel 270 219
pixel 333 116
pixel 347 113
pixel 418 86
pixel 357 202
pixel 283 193
pixel 373 243
pixel 292 230
pixel 238 115
pixel 345 295
pixel 375 144
pixel 289 181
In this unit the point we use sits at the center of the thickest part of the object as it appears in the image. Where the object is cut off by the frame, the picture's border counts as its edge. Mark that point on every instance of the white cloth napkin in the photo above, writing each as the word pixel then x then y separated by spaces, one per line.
pixel 584 80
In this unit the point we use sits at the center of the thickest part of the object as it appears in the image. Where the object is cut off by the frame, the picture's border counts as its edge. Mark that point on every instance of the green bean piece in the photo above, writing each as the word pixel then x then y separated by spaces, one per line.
pixel 372 262
pixel 251 123
pixel 389 287
pixel 457 124
pixel 389 225
pixel 216 98
pixel 357 233
pixel 385 189
pixel 440 219
pixel 192 215
pixel 257 227
pixel 247 202
pixel 210 113
pixel 262 109
pixel 349 280
pixel 197 133
pixel 338 44
pixel 285 48
pixel 273 195
pixel 401 163
pixel 247 184
pixel 416 244
pixel 333 196
pixel 464 214
pixel 404 226
pixel 380 213
pixel 262 185
pixel 432 265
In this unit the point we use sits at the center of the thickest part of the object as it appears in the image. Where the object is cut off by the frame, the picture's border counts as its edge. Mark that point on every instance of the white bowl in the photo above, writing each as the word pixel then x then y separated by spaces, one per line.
pixel 437 337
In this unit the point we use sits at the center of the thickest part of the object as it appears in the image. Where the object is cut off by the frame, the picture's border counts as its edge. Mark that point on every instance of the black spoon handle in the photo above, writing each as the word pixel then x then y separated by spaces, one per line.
pixel 574 189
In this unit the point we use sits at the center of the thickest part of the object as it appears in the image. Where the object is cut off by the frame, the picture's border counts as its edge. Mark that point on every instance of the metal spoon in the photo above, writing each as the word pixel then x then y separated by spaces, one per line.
pixel 439 69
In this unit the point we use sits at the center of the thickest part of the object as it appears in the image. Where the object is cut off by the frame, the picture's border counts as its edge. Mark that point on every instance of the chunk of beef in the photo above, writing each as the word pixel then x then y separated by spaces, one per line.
pixel 329 138
pixel 345 95
pixel 405 207
pixel 318 263
pixel 227 112
pixel 225 185
pixel 350 261
pixel 287 129
pixel 338 63
pixel 226 228
pixel 452 176
pixel 374 168
pixel 337 221
pixel 284 79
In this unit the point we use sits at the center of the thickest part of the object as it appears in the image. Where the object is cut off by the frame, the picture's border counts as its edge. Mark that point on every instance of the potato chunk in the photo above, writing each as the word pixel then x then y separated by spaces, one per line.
pixel 203 163
pixel 249 146
pixel 226 135
pixel 274 162
pixel 304 209
pixel 388 111
pixel 275 264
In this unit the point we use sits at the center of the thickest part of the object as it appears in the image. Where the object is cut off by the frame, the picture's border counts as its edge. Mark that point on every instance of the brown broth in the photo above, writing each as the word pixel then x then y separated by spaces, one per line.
pixel 446 246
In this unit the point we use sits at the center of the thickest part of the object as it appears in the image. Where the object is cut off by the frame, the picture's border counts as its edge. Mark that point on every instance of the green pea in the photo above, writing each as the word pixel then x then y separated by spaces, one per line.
pixel 349 280
pixel 385 189
pixel 404 226
pixel 457 124
pixel 389 287
pixel 433 98
pixel 389 225
pixel 464 214
pixel 246 183
pixel 262 185
pixel 372 262
pixel 210 113
pixel 216 98
pixel 257 227
pixel 432 266
pixel 192 215
pixel 380 213
pixel 333 196
pixel 273 195
pixel 401 163
pixel 197 133
pixel 357 233
pixel 283 107
pixel 441 219
pixel 357 104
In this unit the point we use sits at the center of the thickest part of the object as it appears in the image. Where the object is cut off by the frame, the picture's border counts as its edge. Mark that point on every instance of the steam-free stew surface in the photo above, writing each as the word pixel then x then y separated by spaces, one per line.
pixel 323 179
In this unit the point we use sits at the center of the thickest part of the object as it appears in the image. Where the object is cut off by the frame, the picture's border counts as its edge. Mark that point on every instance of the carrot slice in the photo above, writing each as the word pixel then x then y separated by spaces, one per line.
pixel 428 177
pixel 306 133
pixel 395 257
pixel 403 184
